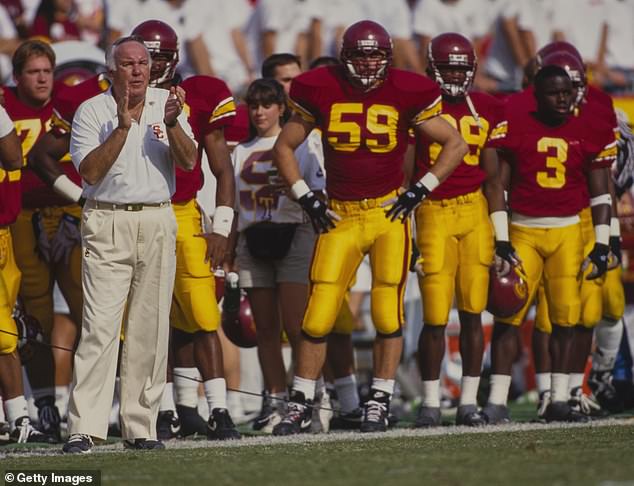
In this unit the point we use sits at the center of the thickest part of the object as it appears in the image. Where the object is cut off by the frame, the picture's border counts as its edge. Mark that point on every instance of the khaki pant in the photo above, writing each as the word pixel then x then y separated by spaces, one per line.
pixel 128 265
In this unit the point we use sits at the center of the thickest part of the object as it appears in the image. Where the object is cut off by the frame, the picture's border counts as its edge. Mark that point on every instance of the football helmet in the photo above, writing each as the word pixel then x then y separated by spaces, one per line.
pixel 508 292
pixel 556 47
pixel 162 42
pixel 29 332
pixel 239 327
pixel 452 63
pixel 366 51
pixel 573 66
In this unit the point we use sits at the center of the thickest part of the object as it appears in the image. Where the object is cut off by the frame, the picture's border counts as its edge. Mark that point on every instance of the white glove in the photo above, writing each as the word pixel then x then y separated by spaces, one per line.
pixel 67 237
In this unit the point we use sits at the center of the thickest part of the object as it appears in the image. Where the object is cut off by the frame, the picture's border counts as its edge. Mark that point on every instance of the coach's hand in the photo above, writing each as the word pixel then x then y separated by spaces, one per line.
pixel 174 105
pixel 322 218
pixel 123 111
pixel 406 202
pixel 597 259
pixel 66 239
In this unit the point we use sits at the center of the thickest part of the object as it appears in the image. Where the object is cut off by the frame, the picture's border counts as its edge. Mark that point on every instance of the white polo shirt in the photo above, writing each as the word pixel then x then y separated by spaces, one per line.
pixel 143 172
pixel 6 125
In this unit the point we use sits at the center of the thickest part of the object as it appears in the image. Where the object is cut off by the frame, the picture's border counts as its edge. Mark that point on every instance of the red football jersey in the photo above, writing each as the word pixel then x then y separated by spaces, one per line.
pixel 66 100
pixel 364 134
pixel 30 124
pixel 209 106
pixel 550 164
pixel 238 130
pixel 468 176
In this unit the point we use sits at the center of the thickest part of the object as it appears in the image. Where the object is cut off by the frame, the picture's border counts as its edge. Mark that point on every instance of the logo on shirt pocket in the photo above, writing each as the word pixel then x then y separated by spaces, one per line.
pixel 159 133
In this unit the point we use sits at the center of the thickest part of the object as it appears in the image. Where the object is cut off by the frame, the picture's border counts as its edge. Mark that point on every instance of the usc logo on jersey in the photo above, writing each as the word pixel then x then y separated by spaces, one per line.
pixel 158 132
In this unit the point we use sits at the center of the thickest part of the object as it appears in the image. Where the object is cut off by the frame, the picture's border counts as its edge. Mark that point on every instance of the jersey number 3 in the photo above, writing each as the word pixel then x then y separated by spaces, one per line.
pixel 556 150
pixel 380 121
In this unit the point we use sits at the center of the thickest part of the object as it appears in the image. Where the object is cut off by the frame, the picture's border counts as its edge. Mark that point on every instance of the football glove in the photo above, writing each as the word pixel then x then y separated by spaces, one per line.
pixel 42 243
pixel 615 257
pixel 505 258
pixel 322 218
pixel 66 239
pixel 598 260
pixel 406 202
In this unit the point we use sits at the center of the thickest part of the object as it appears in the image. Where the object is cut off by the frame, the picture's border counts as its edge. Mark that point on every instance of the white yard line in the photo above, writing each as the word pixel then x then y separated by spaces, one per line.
pixel 307 439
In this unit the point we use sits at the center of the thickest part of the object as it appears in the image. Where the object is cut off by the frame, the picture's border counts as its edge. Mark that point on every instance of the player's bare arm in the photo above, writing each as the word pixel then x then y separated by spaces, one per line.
pixel 601 204
pixel 182 148
pixel 220 165
pixel 11 151
pixel 293 134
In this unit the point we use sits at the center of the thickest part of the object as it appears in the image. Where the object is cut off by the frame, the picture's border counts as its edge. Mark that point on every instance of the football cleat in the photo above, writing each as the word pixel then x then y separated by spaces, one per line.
pixel 347 421
pixel 48 416
pixel 78 444
pixel 561 412
pixel 427 417
pixel 143 444
pixel 25 433
pixel 376 411
pixel 496 414
pixel 220 426
pixel 168 425
pixel 581 403
pixel 191 422
pixel 468 415
pixel 542 404
pixel 600 382
pixel 298 417
pixel 322 413
pixel 270 414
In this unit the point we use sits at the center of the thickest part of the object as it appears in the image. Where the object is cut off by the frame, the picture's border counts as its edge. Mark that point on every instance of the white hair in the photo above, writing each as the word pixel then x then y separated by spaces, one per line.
pixel 111 62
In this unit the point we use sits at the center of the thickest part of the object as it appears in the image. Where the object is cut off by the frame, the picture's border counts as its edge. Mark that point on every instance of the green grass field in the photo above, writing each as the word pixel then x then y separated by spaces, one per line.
pixel 577 455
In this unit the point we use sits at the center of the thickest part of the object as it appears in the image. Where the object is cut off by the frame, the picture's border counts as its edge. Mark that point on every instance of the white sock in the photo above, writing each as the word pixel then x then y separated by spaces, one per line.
pixel 348 393
pixel 320 386
pixel 167 400
pixel 61 399
pixel 559 387
pixel 2 417
pixel 469 390
pixel 305 386
pixel 15 408
pixel 234 403
pixel 608 334
pixel 499 393
pixel 543 382
pixel 186 386
pixel 575 380
pixel 381 384
pixel 48 391
pixel 216 393
pixel 431 393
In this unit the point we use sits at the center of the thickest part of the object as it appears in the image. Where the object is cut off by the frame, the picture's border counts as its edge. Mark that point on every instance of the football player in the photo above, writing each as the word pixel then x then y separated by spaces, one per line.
pixel 364 108
pixel 45 234
pixel 453 230
pixel 11 387
pixel 195 342
pixel 552 161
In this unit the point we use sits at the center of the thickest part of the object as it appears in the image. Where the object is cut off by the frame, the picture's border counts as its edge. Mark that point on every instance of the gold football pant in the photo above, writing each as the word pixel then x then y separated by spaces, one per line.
pixel 9 285
pixel 363 229
pixel 455 240
pixel 556 255
pixel 38 276
pixel 194 305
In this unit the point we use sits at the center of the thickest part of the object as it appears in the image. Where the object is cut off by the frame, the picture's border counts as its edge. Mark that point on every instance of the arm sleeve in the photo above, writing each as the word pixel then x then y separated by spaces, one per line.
pixel 85 134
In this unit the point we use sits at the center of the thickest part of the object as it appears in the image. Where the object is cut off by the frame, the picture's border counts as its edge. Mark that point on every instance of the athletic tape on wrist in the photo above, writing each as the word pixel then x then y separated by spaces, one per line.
pixel 67 188
pixel 602 233
pixel 223 219
pixel 300 188
pixel 430 181
pixel 500 222
pixel 615 227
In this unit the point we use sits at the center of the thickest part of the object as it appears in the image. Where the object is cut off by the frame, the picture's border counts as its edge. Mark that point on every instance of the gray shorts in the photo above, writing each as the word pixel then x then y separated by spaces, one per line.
pixel 294 267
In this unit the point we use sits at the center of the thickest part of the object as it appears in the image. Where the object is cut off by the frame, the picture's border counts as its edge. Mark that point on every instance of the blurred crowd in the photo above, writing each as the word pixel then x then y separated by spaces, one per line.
pixel 229 38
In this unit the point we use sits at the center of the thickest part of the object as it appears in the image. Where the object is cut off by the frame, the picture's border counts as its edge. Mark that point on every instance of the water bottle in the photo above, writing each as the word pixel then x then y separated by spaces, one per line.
pixel 231 302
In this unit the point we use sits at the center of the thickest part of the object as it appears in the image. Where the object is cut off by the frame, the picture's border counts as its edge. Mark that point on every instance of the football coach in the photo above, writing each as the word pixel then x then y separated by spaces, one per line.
pixel 125 143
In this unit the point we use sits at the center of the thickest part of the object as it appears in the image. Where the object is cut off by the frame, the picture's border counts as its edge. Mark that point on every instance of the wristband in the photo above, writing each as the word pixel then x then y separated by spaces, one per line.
pixel 299 189
pixel 615 227
pixel 602 233
pixel 223 219
pixel 67 188
pixel 602 199
pixel 500 222
pixel 170 125
pixel 430 181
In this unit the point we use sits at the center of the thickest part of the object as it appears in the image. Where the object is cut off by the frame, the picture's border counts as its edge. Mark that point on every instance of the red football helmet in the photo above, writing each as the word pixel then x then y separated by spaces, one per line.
pixel 240 327
pixel 29 332
pixel 452 63
pixel 366 51
pixel 559 46
pixel 573 66
pixel 507 293
pixel 162 42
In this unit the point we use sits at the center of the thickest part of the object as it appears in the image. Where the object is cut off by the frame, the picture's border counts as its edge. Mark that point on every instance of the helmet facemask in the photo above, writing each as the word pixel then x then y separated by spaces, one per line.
pixel 366 66
pixel 455 62
pixel 164 63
